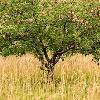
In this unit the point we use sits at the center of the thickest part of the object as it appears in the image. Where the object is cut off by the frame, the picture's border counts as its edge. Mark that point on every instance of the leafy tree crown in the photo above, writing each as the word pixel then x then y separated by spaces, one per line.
pixel 40 26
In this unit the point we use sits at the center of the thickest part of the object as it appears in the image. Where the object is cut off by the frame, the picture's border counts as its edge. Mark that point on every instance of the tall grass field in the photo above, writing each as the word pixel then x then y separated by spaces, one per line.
pixel 75 78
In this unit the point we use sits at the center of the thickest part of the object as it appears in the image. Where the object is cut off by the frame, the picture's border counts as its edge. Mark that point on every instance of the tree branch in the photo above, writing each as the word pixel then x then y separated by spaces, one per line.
pixel 44 49
pixel 57 55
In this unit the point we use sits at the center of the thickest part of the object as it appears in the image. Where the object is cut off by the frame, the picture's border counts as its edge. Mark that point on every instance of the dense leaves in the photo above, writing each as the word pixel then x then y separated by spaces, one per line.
pixel 40 26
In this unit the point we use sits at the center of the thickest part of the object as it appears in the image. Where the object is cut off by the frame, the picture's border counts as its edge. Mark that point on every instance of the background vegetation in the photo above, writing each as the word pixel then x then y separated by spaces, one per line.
pixel 76 78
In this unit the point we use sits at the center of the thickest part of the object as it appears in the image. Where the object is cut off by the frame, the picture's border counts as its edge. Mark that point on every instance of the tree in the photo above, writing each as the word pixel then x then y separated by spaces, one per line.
pixel 42 26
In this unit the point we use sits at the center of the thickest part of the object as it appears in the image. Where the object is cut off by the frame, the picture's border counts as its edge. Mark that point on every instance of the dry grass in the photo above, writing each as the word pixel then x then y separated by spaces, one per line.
pixel 76 78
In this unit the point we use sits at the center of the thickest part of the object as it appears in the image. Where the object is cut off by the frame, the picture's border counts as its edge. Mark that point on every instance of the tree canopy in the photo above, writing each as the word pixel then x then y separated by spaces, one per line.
pixel 40 26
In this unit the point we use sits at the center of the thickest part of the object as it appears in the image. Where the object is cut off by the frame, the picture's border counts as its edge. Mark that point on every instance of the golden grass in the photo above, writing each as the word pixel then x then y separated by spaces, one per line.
pixel 76 78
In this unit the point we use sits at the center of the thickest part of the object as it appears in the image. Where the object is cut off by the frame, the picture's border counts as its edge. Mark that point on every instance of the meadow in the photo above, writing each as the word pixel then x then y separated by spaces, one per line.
pixel 75 78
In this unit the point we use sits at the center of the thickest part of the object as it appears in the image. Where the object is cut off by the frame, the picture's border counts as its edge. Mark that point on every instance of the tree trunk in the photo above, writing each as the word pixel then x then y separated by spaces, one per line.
pixel 50 73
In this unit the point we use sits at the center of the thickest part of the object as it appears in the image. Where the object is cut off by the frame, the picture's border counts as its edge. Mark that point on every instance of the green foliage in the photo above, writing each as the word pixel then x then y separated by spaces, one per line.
pixel 71 26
